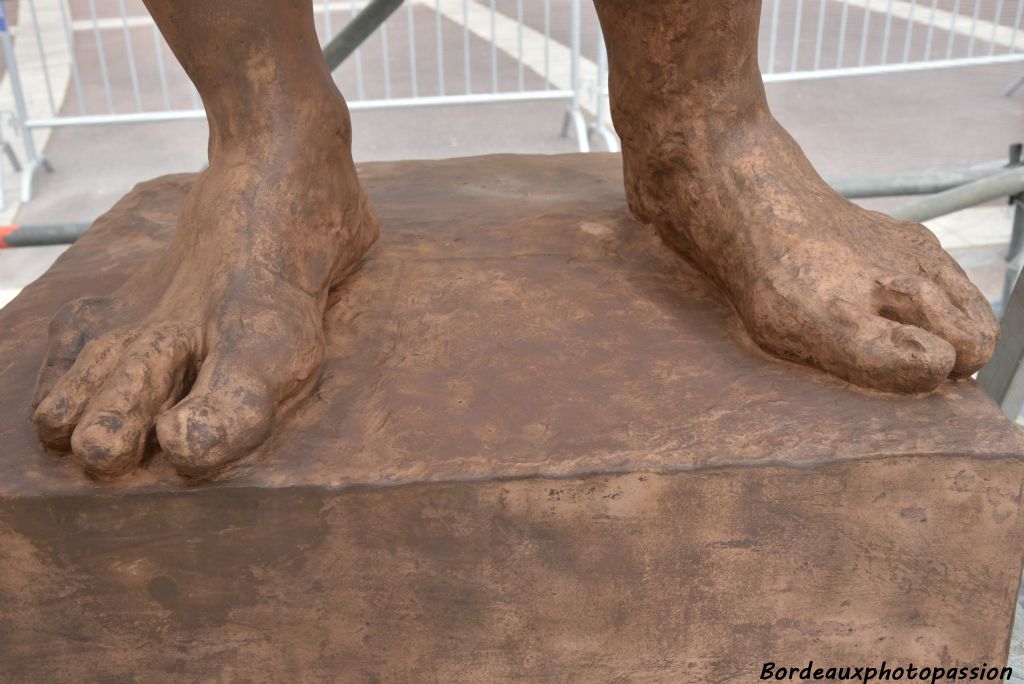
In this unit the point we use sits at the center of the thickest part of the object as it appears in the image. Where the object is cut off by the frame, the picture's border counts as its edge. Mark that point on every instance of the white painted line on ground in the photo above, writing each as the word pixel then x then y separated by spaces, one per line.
pixel 946 21
pixel 974 227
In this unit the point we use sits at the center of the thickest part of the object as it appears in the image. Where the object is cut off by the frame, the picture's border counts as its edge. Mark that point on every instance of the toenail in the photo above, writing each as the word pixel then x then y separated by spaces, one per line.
pixel 102 443
pixel 908 337
pixel 50 418
pixel 111 422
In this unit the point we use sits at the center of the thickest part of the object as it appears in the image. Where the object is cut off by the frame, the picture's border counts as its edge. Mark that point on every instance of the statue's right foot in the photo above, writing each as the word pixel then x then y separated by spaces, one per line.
pixel 206 345
pixel 815 278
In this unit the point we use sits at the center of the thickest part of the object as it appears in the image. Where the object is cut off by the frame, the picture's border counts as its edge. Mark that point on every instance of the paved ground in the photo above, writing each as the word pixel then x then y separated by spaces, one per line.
pixel 866 125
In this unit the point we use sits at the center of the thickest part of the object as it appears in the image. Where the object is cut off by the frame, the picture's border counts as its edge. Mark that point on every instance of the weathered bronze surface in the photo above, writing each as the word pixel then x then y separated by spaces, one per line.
pixel 213 339
pixel 211 342
pixel 814 277
pixel 543 446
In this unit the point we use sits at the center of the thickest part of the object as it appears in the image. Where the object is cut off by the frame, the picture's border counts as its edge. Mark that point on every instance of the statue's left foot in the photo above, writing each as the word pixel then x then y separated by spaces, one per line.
pixel 211 342
pixel 815 278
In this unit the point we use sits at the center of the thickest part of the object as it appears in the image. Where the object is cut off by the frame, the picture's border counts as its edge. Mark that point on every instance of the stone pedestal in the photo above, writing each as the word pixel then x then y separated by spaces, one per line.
pixel 543 449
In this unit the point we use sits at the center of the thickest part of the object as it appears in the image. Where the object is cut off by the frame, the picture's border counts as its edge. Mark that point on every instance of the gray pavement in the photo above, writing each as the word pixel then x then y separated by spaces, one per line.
pixel 914 121
pixel 851 126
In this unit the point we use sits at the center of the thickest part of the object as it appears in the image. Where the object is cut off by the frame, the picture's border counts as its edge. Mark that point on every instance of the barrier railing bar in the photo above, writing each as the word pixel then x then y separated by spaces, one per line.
pixel 355 106
pixel 33 161
pixel 886 33
pixel 547 44
pixel 842 33
pixel 910 30
pixel 325 7
pixel 494 49
pixel 864 35
pixel 358 29
pixel 1003 184
pixel 995 26
pixel 386 64
pixel 411 29
pixel 519 40
pixel 42 58
pixel 874 70
pixel 820 35
pixel 931 31
pixel 1016 26
pixel 974 27
pixel 130 53
pixel 906 184
pixel 795 55
pixel 360 92
pixel 71 52
pixel 951 38
pixel 883 69
pixel 158 49
pixel 573 116
pixel 101 54
pixel 465 45
pixel 600 127
pixel 1001 378
pixel 773 36
pixel 439 38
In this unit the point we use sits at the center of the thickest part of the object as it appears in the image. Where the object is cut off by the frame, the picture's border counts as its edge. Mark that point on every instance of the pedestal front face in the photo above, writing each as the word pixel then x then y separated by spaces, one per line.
pixel 542 447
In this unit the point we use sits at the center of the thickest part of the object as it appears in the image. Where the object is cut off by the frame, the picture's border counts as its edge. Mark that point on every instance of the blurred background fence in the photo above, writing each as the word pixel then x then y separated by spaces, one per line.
pixel 89 62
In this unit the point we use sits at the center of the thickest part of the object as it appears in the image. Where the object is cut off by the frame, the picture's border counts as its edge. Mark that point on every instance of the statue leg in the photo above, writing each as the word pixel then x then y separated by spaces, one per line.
pixel 223 327
pixel 815 278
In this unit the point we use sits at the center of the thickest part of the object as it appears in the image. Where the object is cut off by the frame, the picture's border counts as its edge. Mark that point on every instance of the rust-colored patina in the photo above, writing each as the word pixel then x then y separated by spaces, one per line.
pixel 211 342
pixel 814 277
pixel 543 447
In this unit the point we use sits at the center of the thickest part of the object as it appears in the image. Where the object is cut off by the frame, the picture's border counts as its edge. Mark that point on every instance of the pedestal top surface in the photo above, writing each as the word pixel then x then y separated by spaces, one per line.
pixel 512 321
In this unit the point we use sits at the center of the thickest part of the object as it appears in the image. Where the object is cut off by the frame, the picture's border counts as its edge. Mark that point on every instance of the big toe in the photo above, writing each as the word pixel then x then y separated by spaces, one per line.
pixel 207 432
pixel 255 370
pixel 957 313
pixel 859 346
pixel 976 350
pixel 881 354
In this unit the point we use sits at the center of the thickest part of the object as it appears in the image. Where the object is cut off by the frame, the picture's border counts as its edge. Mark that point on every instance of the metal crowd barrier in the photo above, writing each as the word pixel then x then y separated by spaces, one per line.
pixel 101 62
pixel 818 39
pixel 89 62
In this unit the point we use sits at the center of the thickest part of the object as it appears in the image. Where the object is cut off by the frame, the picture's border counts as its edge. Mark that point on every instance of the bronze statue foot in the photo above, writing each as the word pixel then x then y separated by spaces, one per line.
pixel 815 278
pixel 223 327
pixel 210 343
